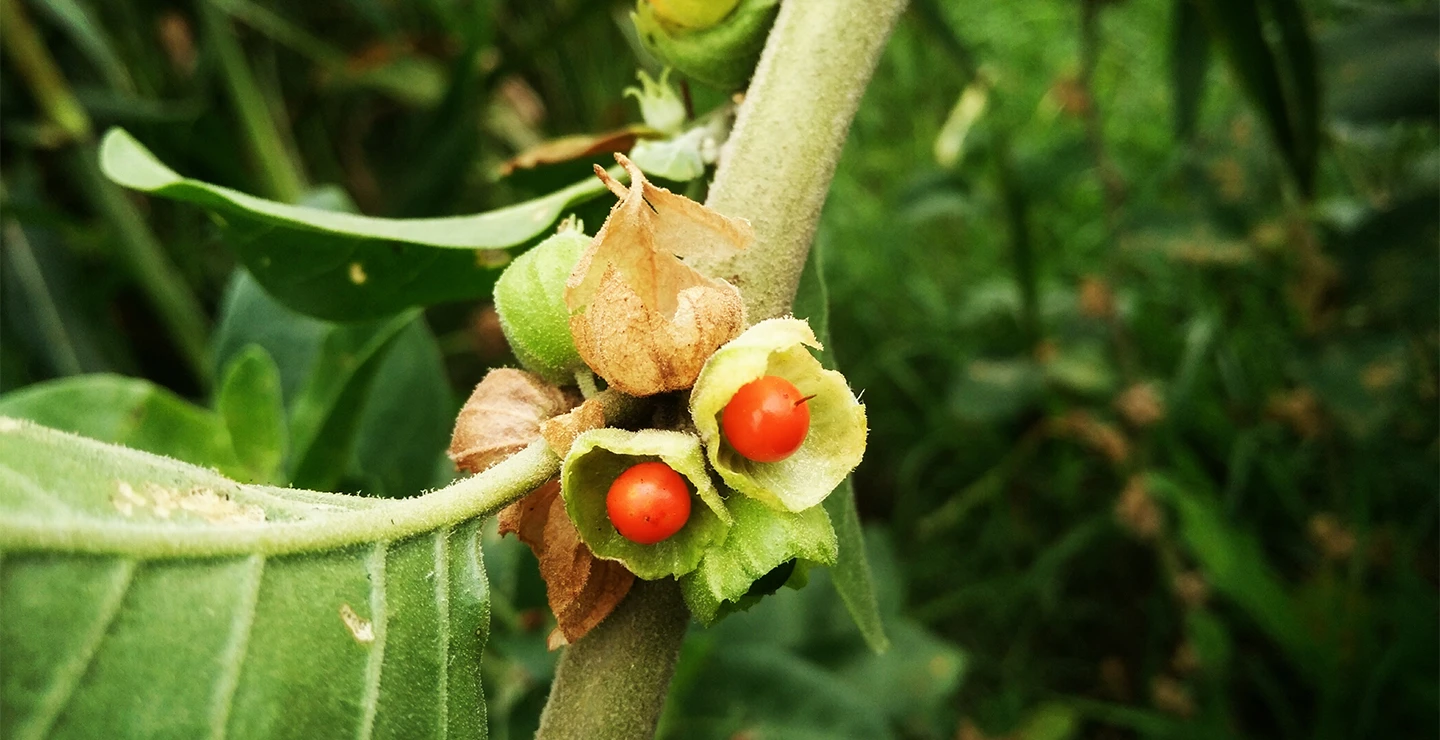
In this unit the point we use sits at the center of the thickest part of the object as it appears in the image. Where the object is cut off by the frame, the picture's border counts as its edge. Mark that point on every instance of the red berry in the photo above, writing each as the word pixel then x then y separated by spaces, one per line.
pixel 648 503
pixel 767 419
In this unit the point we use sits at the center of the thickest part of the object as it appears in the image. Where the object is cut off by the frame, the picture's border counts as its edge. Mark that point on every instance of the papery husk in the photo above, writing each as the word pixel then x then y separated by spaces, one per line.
pixel 502 417
pixel 560 432
pixel 642 319
pixel 581 589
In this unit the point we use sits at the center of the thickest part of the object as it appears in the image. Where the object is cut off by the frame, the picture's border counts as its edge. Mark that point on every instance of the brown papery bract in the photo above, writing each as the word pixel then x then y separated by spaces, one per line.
pixel 582 590
pixel 642 319
pixel 502 417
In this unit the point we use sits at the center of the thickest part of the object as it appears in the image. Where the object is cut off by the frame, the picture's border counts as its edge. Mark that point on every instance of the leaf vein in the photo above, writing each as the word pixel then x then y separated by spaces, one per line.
pixel 442 610
pixel 375 664
pixel 69 675
pixel 237 646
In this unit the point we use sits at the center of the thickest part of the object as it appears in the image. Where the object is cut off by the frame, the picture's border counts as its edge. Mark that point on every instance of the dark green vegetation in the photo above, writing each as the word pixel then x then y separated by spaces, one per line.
pixel 1143 302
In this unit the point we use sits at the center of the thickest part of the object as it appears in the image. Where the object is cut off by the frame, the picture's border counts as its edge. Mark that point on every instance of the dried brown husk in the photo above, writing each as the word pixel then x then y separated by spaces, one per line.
pixel 502 417
pixel 642 319
pixel 582 589
pixel 560 432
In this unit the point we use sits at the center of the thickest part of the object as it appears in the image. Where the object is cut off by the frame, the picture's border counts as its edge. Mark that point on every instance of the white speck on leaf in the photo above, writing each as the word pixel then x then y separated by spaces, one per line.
pixel 357 273
pixel 360 627
pixel 8 424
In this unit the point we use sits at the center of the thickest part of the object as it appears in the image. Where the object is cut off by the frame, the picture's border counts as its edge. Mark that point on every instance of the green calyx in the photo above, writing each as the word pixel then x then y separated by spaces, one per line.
pixel 836 439
pixel 599 456
pixel 721 54
pixel 660 105
pixel 761 541
pixel 530 299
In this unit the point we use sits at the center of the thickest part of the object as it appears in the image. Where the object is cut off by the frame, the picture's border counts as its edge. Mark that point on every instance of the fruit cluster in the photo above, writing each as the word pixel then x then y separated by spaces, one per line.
pixel 727 489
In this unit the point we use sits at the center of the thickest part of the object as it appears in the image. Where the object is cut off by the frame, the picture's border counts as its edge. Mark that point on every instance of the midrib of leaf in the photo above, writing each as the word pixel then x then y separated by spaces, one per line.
pixel 236 648
pixel 375 663
pixel 476 496
pixel 442 602
pixel 67 678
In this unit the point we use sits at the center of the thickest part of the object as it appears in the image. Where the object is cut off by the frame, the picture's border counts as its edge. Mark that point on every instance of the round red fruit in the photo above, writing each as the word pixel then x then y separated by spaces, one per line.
pixel 767 419
pixel 648 503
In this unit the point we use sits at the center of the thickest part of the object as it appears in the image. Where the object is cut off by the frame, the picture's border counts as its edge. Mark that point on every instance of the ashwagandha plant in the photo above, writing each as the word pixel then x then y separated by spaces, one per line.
pixel 141 596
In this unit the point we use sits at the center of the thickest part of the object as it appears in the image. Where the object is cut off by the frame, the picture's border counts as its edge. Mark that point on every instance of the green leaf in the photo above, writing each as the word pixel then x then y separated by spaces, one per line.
pixel 152 598
pixel 408 415
pixel 761 540
pixel 344 266
pixel 851 572
pixel 331 375
pixel 1281 81
pixel 1189 63
pixel 1237 567
pixel 131 412
pixel 251 406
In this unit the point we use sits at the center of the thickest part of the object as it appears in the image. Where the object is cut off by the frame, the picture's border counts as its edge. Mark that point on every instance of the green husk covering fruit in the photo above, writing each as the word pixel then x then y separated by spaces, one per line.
pixel 761 541
pixel 530 300
pixel 722 55
pixel 836 439
pixel 599 456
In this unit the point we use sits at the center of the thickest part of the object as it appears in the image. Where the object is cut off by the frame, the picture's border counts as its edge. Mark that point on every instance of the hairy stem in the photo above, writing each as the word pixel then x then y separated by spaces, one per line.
pixel 776 168
pixel 612 682
pixel 775 171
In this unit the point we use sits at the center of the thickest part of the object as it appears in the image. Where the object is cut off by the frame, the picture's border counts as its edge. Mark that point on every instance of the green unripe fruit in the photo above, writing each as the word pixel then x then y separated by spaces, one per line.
pixel 721 55
pixel 530 299
pixel 692 14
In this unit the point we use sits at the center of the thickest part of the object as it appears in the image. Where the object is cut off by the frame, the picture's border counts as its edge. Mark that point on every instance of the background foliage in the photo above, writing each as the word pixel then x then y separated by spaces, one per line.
pixel 1142 296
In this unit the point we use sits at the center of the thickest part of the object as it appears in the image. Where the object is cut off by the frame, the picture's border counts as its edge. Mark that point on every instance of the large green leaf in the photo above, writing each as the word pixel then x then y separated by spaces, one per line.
pixel 345 266
pixel 131 412
pixel 851 570
pixel 143 597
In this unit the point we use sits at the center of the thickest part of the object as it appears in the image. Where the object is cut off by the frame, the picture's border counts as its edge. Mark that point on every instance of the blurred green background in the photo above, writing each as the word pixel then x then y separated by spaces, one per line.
pixel 1143 297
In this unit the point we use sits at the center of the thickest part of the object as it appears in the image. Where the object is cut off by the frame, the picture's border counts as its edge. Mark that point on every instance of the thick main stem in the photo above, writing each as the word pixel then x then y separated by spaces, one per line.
pixel 776 168
pixel 775 171
pixel 612 682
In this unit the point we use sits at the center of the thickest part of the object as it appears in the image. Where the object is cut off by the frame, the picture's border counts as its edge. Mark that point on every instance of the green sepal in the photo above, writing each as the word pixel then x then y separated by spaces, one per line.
pixel 723 55
pixel 761 541
pixel 599 456
pixel 530 300
pixel 836 440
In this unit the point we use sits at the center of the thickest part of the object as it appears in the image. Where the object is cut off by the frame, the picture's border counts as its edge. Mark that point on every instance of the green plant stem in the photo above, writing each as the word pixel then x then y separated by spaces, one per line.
pixel 368 520
pixel 33 61
pixel 776 171
pixel 170 295
pixel 284 181
pixel 596 696
pixel 788 136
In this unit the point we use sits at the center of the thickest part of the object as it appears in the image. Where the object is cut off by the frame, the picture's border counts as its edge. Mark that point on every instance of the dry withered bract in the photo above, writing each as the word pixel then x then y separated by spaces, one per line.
pixel 642 319
pixel 582 589
pixel 502 416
